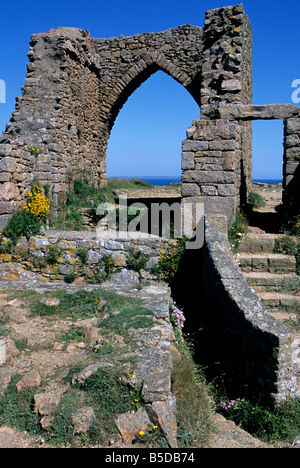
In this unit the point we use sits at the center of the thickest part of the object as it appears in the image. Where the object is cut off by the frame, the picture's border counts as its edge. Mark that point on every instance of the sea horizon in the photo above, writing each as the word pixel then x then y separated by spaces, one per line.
pixel 167 180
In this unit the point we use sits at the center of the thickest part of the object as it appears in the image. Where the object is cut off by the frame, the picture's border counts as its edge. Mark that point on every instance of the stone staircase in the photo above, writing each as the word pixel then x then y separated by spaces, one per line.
pixel 273 277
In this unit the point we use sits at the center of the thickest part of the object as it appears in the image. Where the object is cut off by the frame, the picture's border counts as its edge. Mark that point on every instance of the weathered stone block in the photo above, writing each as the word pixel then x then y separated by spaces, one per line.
pixel 226 190
pixel 8 164
pixel 31 379
pixel 293 140
pixel 190 145
pixel 5 177
pixel 208 177
pixel 293 154
pixel 293 125
pixel 9 191
pixel 209 190
pixel 131 423
pixel 231 85
pixel 188 160
pixel 225 145
pixel 5 150
pixel 6 207
pixel 190 190
pixel 291 167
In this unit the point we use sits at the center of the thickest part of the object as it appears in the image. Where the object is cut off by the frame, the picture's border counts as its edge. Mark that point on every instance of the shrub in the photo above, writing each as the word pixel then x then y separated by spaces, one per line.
pixel 169 262
pixel 69 278
pixel 109 264
pixel 237 230
pixel 255 200
pixel 54 253
pixel 22 223
pixel 137 260
pixel 286 245
pixel 83 254
pixel 37 203
pixel 278 424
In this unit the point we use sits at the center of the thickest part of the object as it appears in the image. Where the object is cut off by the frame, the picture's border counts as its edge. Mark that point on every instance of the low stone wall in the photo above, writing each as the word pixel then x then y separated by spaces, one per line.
pixel 252 349
pixel 81 254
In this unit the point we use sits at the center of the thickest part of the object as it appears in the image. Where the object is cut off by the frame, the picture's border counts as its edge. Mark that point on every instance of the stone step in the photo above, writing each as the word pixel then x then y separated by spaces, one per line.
pixel 267 262
pixel 275 300
pixel 269 282
pixel 253 243
pixel 258 243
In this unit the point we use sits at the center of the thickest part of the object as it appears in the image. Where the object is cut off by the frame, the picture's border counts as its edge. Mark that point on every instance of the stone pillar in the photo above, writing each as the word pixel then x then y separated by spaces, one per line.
pixel 227 74
pixel 291 166
pixel 211 157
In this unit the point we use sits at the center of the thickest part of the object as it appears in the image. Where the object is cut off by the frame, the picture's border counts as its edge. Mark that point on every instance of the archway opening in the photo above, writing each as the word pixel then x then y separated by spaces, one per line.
pixel 146 138
pixel 146 144
pixel 267 174
pixel 267 160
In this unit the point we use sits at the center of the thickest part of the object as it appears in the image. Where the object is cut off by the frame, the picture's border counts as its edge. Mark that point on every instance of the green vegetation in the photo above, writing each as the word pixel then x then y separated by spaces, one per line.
pixel 255 200
pixel 16 408
pixel 169 261
pixel 137 260
pixel 54 252
pixel 83 195
pixel 237 230
pixel 193 399
pixel 289 245
pixel 281 423
pixel 22 223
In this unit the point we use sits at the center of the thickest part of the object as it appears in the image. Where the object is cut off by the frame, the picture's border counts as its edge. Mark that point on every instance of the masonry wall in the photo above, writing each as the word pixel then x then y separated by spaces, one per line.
pixel 29 259
pixel 211 165
pixel 74 88
pixel 227 74
pixel 249 350
pixel 76 85
pixel 291 165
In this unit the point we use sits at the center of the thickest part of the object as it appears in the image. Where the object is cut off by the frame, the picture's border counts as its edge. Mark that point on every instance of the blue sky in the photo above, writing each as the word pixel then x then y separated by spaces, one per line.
pixel 147 136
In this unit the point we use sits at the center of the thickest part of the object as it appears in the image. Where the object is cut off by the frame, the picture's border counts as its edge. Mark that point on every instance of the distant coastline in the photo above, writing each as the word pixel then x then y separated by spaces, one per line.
pixel 165 180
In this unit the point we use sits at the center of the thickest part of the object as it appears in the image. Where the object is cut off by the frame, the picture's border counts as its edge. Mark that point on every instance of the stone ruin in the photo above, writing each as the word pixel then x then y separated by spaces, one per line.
pixel 74 89
pixel 76 85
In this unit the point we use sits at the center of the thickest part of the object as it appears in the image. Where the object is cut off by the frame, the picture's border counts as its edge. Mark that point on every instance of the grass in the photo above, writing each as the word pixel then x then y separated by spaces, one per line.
pixel 237 230
pixel 109 390
pixel 194 400
pixel 270 425
pixel 255 200
pixel 82 194
pixel 16 409
pixel 289 245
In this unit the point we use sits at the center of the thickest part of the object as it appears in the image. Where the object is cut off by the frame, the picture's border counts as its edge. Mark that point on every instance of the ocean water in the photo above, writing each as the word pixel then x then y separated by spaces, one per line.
pixel 269 181
pixel 162 180
pixel 169 180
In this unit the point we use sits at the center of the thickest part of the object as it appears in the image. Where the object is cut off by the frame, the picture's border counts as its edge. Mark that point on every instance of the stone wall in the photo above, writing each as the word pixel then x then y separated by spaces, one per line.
pixel 30 258
pixel 68 113
pixel 239 114
pixel 249 348
pixel 211 160
pixel 227 73
pixel 291 165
